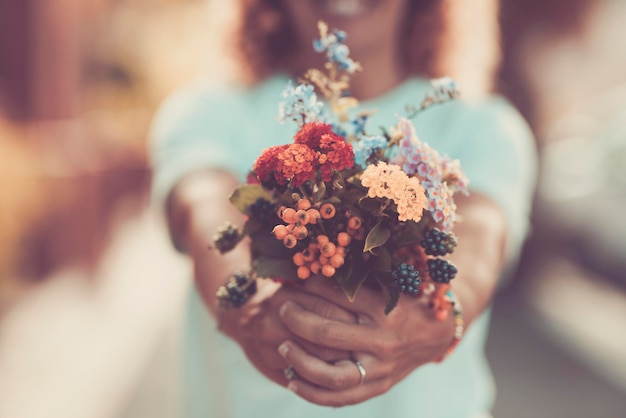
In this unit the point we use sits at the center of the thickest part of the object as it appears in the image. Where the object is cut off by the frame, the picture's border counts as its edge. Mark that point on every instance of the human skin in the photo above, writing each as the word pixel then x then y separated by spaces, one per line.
pixel 318 331
pixel 196 208
pixel 392 346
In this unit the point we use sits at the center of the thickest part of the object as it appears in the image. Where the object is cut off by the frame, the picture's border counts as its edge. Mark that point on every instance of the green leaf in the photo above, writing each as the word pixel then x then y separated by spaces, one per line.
pixel 319 191
pixel 382 261
pixel 274 268
pixel 351 278
pixel 371 204
pixel 246 195
pixel 391 294
pixel 263 243
pixel 252 226
pixel 411 233
pixel 377 237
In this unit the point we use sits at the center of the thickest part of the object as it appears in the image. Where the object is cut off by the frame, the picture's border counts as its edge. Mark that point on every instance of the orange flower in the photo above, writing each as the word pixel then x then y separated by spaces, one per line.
pixel 295 164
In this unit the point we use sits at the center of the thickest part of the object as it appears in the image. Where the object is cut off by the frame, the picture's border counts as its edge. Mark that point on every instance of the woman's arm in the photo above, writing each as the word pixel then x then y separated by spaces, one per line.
pixel 196 208
pixel 390 347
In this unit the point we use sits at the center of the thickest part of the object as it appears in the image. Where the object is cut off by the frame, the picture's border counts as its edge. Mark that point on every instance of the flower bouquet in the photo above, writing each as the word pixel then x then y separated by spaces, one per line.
pixel 342 204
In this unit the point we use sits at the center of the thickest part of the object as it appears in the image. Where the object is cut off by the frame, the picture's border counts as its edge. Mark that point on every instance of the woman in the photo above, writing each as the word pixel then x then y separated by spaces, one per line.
pixel 204 140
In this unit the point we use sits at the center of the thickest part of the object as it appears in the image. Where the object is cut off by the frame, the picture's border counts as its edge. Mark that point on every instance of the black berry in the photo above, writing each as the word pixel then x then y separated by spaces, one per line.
pixel 227 238
pixel 406 279
pixel 438 243
pixel 263 210
pixel 441 271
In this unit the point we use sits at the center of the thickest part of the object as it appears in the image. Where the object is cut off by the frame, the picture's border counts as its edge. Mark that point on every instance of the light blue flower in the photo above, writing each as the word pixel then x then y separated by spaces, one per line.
pixel 366 146
pixel 336 51
pixel 299 104
pixel 445 87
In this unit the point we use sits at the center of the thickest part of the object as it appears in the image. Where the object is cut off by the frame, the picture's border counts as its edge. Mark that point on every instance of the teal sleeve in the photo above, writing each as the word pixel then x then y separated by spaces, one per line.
pixel 191 131
pixel 497 152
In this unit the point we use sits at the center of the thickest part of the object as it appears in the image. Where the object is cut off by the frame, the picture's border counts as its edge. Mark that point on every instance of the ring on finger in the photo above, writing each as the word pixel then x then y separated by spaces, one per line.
pixel 290 373
pixel 361 370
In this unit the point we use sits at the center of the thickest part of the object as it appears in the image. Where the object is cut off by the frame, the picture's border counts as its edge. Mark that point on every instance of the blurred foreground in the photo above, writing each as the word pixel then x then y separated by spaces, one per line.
pixel 92 295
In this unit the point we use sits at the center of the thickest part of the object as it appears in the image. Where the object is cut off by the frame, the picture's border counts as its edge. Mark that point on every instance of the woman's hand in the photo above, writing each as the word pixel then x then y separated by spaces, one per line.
pixel 196 209
pixel 259 330
pixel 388 346
pixel 391 346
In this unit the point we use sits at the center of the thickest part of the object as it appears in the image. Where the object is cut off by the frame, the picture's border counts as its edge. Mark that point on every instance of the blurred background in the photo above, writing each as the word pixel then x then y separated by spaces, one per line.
pixel 92 295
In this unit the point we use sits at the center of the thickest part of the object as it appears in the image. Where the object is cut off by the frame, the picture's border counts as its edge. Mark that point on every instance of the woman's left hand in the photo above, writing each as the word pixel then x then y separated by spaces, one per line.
pixel 388 347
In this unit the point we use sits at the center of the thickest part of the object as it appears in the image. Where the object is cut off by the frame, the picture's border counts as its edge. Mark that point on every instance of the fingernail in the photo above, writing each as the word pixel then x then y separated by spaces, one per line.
pixel 284 308
pixel 292 387
pixel 283 349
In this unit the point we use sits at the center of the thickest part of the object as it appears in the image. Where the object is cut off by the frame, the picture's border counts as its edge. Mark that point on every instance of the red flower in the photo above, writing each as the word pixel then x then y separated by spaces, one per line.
pixel 332 151
pixel 295 164
pixel 311 134
pixel 335 154
pixel 265 165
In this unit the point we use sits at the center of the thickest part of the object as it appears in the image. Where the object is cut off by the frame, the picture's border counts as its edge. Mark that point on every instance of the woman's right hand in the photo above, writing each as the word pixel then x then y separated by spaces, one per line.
pixel 196 209
pixel 259 330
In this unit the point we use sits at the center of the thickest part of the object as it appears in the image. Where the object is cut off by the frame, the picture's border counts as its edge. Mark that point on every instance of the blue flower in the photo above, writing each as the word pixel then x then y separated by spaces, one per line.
pixel 365 147
pixel 359 123
pixel 299 104
pixel 445 87
pixel 336 51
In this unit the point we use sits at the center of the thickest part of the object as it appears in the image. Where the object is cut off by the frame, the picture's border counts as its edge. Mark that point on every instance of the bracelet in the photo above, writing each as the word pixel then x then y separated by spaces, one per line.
pixel 459 324
pixel 236 292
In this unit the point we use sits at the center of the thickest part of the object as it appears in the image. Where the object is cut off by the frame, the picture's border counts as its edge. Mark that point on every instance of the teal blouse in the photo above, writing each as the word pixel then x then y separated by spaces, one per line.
pixel 227 128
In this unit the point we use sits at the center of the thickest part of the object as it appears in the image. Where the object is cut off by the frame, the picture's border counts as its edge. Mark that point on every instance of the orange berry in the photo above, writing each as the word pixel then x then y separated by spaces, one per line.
pixel 355 222
pixel 328 249
pixel 441 289
pixel 302 217
pixel 280 210
pixel 289 215
pixel 343 239
pixel 298 259
pixel 314 215
pixel 300 232
pixel 304 272
pixel 323 260
pixel 328 270
pixel 341 250
pixel 327 210
pixel 303 204
pixel 280 231
pixel 337 260
pixel 290 228
pixel 316 267
pixel 322 239
pixel 441 314
pixel 290 241
pixel 308 255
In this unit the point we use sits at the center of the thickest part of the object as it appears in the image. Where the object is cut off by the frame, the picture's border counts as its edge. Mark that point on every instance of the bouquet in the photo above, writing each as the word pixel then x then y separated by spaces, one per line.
pixel 341 203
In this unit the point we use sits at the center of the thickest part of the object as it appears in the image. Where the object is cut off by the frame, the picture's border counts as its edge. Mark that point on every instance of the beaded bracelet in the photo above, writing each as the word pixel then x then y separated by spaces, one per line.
pixel 459 324
pixel 239 288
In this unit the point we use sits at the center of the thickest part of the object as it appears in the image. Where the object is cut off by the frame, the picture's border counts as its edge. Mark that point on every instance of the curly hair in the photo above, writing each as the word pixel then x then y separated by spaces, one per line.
pixel 441 37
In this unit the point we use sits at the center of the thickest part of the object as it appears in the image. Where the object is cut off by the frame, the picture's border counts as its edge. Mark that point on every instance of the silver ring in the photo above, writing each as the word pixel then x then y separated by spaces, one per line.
pixel 362 371
pixel 290 373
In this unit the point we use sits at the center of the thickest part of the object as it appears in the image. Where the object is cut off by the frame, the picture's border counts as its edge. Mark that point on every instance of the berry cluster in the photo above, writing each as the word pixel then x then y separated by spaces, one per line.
pixel 237 291
pixel 227 238
pixel 440 270
pixel 322 256
pixel 297 219
pixel 406 279
pixel 438 243
pixel 263 210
